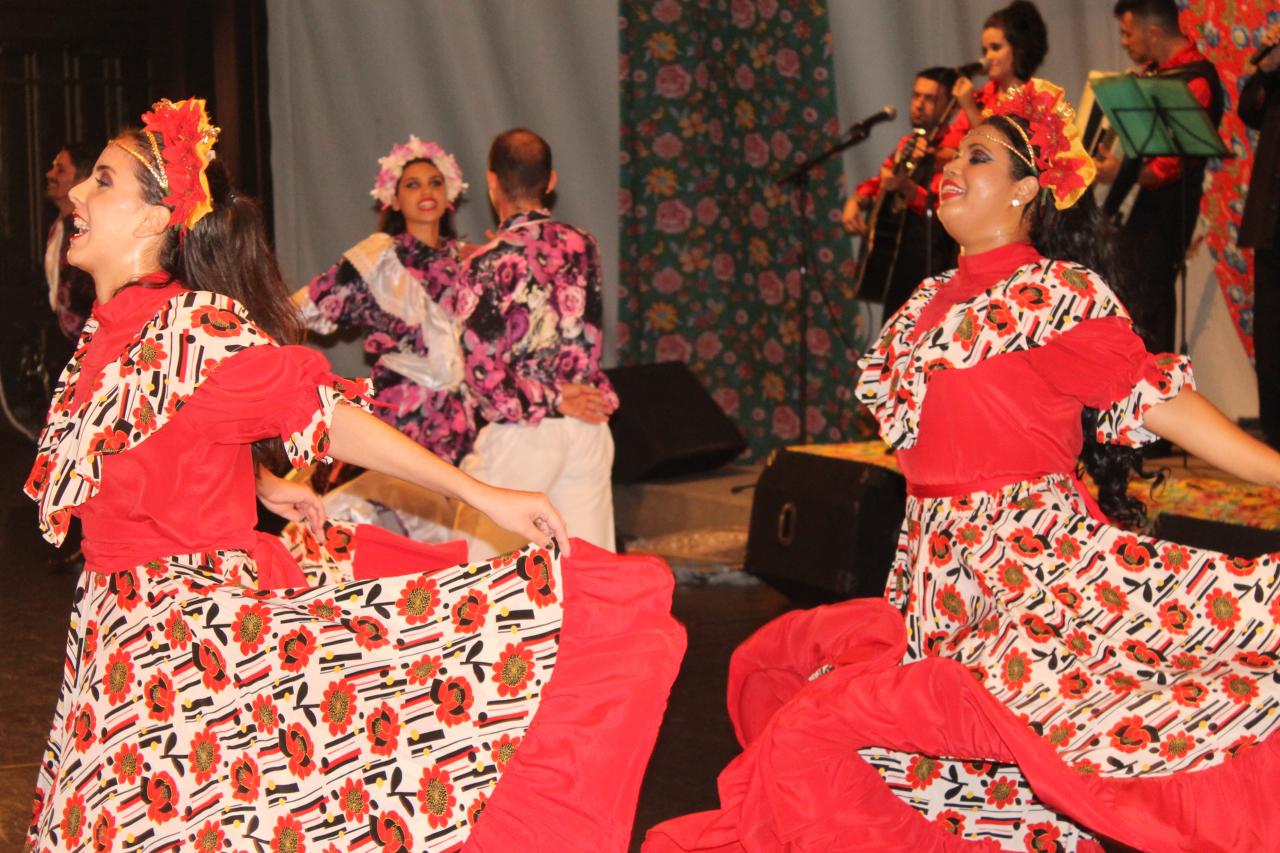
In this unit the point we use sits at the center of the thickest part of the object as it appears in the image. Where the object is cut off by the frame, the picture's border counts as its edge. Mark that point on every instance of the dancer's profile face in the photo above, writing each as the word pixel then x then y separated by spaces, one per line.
pixel 421 195
pixel 977 194
pixel 113 220
pixel 997 56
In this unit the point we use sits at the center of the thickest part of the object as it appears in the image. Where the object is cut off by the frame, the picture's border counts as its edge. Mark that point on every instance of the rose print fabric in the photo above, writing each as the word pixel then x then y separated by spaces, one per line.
pixel 442 419
pixel 375 696
pixel 537 324
pixel 1035 678
pixel 719 102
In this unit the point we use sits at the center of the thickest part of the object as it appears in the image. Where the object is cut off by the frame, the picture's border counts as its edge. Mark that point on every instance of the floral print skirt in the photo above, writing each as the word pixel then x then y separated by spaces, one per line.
pixel 200 713
pixel 1129 655
pixel 1025 650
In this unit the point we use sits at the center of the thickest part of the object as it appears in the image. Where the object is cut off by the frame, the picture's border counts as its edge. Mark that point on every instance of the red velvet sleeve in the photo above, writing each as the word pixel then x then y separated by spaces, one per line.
pixel 1103 363
pixel 268 391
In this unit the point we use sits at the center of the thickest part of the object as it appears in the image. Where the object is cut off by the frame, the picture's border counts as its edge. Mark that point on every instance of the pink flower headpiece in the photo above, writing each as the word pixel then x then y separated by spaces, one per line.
pixel 392 167
pixel 1054 150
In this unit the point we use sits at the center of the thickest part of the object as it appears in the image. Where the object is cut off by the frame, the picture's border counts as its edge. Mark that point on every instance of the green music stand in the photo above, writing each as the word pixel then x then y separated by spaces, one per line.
pixel 1159 117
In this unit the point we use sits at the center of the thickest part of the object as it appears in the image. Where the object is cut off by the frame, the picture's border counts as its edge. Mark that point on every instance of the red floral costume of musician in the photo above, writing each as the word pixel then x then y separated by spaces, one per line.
pixel 1035 678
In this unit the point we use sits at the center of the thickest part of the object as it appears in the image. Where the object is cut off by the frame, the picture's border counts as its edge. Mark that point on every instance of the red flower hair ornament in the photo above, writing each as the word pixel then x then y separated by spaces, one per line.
pixel 179 157
pixel 1052 149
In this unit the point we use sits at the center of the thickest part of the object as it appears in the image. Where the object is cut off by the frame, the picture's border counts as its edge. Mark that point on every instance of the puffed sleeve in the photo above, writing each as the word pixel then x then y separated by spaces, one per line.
pixel 336 298
pixel 270 391
pixel 1104 364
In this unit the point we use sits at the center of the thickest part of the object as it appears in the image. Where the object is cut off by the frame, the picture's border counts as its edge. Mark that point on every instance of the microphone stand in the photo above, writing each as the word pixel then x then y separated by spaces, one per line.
pixel 799 178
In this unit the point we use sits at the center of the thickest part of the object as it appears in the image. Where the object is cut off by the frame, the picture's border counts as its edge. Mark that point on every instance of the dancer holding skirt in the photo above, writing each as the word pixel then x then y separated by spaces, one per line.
pixel 213 698
pixel 1037 677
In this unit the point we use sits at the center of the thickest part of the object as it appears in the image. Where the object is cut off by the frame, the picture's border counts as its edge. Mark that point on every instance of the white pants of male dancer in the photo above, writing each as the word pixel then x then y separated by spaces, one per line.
pixel 568 459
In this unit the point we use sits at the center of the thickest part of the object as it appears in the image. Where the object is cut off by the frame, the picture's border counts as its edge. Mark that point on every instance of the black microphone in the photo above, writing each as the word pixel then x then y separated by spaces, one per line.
pixel 889 113
pixel 1262 53
pixel 971 69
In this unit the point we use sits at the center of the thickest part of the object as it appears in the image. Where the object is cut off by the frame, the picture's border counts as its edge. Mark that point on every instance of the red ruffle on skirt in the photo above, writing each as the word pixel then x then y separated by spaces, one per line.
pixel 574 782
pixel 800 784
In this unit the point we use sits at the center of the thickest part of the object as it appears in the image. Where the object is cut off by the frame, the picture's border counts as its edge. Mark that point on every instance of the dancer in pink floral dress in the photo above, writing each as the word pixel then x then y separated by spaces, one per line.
pixel 1037 677
pixel 215 700
pixel 400 286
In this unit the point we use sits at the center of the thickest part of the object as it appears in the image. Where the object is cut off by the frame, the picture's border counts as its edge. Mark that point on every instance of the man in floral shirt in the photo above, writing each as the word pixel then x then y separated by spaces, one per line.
pixel 532 351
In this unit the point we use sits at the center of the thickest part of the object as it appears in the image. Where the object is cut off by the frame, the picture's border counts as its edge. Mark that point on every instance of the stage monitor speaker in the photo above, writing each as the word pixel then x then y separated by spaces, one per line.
pixel 825 529
pixel 667 424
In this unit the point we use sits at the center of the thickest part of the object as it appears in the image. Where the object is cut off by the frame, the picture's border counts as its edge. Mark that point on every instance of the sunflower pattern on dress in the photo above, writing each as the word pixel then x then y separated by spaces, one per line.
pixel 1131 656
pixel 198 712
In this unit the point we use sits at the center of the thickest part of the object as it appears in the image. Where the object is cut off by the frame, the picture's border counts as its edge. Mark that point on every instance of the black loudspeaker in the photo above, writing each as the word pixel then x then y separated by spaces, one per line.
pixel 825 529
pixel 667 424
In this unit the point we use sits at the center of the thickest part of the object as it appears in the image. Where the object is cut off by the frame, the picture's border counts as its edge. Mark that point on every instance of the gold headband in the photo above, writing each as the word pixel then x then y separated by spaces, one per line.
pixel 1014 151
pixel 156 167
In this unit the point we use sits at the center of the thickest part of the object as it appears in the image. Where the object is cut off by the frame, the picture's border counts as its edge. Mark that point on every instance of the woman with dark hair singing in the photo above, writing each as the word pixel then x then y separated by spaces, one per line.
pixel 1037 677
pixel 1014 43
pixel 214 699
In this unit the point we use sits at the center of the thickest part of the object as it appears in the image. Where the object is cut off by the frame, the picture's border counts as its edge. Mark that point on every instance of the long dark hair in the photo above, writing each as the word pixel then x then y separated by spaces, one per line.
pixel 391 221
pixel 227 252
pixel 1083 234
pixel 1026 33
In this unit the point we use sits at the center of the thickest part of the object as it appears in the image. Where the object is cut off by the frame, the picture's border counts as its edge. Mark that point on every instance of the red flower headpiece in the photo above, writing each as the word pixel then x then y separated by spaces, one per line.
pixel 1053 146
pixel 179 158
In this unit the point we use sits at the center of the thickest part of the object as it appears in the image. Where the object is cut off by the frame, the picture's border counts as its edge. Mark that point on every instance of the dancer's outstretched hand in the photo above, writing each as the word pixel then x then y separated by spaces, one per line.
pixel 529 514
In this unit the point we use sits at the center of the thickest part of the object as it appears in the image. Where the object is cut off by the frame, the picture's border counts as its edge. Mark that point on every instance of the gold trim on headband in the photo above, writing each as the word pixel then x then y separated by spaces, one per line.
pixel 157 173
pixel 1014 151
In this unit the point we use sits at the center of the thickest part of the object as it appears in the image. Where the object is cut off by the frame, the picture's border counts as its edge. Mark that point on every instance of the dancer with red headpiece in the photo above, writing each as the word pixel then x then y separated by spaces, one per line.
pixel 213 699
pixel 1037 676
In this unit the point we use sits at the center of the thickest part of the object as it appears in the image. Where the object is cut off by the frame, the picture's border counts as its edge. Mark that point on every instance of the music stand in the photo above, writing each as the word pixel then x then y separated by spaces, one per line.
pixel 1159 117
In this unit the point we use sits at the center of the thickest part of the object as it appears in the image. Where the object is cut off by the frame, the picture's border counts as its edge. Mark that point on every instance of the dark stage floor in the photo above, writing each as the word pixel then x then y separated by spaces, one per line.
pixel 695 742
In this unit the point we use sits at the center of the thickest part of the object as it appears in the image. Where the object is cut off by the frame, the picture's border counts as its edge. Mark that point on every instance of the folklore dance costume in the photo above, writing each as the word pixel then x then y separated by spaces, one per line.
pixel 405 296
pixel 1034 677
pixel 212 700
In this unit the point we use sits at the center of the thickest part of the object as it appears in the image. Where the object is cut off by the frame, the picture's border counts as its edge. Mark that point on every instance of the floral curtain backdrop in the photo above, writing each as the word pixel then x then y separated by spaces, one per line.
pixel 1228 32
pixel 720 98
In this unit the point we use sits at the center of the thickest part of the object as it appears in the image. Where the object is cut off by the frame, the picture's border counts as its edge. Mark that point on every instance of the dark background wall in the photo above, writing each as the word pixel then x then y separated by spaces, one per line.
pixel 78 70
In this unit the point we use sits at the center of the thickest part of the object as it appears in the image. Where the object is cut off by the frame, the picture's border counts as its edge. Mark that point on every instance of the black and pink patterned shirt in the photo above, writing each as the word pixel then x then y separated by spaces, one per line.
pixel 443 421
pixel 537 324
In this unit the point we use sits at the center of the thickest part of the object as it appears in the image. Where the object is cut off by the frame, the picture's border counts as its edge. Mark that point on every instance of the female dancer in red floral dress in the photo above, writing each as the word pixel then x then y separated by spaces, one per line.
pixel 400 286
pixel 1036 678
pixel 211 700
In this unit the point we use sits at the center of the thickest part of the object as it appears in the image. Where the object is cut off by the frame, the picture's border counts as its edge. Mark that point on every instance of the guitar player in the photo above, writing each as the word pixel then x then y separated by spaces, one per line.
pixel 903 244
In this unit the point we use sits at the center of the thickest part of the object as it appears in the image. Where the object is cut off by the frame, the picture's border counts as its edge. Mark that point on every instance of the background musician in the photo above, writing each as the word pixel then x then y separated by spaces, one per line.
pixel 1259 108
pixel 906 245
pixel 1155 236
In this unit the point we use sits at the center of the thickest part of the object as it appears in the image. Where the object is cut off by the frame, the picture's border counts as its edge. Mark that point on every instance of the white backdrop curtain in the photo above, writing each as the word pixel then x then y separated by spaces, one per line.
pixel 348 79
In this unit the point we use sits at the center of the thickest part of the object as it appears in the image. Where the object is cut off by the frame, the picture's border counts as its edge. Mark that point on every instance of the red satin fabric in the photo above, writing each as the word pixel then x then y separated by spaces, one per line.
pixel 575 780
pixel 147 509
pixel 800 785
pixel 1032 399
